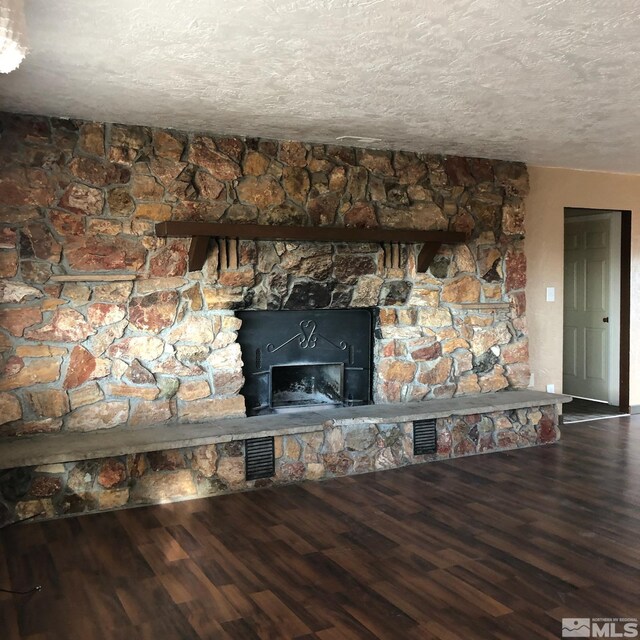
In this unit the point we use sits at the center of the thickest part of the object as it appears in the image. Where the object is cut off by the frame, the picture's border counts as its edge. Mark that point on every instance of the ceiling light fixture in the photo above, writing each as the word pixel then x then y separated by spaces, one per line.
pixel 13 47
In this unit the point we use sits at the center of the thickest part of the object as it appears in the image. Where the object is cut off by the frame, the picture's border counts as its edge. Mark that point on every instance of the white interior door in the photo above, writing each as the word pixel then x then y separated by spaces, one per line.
pixel 586 307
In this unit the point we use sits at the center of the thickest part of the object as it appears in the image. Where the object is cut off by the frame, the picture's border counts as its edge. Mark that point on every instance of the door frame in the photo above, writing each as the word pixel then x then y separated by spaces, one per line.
pixel 624 300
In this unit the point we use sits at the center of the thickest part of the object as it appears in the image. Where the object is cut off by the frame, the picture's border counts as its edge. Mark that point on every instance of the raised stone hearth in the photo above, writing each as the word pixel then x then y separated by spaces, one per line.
pixel 83 199
pixel 115 469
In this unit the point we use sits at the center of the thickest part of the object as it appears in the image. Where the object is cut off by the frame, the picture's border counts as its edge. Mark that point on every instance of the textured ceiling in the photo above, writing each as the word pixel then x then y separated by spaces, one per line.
pixel 550 82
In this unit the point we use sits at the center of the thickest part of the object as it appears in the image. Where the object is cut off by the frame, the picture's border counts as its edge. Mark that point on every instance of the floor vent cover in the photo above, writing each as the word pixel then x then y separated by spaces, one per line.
pixel 425 439
pixel 259 458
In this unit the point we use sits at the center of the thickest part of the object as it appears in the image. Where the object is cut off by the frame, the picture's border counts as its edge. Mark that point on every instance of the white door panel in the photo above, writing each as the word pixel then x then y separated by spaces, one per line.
pixel 586 303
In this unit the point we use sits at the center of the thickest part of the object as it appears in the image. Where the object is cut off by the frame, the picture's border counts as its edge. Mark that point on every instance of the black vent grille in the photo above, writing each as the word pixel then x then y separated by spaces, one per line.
pixel 259 458
pixel 425 439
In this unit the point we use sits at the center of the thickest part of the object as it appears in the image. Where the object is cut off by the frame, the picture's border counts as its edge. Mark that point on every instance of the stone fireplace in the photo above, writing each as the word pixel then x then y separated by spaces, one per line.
pixel 306 359
pixel 103 327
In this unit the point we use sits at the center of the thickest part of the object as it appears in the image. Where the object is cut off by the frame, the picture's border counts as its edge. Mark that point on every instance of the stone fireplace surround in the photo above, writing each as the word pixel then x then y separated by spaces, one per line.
pixel 82 199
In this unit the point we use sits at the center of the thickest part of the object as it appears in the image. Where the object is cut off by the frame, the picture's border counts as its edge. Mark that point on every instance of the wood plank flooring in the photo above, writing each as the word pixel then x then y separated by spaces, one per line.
pixel 496 546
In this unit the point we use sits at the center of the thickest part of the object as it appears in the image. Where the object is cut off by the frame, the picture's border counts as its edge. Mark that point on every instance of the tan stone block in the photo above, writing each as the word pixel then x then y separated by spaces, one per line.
pixel 397 370
pixel 228 382
pixel 51 304
pixel 435 372
pixel 10 408
pixel 315 471
pixel 139 347
pixel 387 316
pixel 494 381
pixel 229 357
pixel 492 292
pixel 278 447
pixel 402 333
pixel 194 330
pixel 474 320
pixel 424 298
pixel 151 285
pixel 41 371
pixel 468 385
pixel 147 413
pixel 100 342
pixel 103 368
pixel 163 486
pixel 113 498
pixel 464 259
pixel 104 415
pixel 11 292
pixel 211 408
pixel 153 211
pixel 485 338
pixel 292 448
pixel 515 352
pixel 128 391
pixel 8 264
pixel 333 440
pixel 193 390
pixel 20 428
pixel 50 468
pixel 113 292
pixel 231 471
pixel 455 343
pixel 167 146
pixel 519 375
pixel 464 289
pixel 407 316
pixel 205 460
pixel 221 298
pixel 367 291
pixel 438 317
pixel 230 323
pixel 34 508
pixel 91 138
pixel 49 403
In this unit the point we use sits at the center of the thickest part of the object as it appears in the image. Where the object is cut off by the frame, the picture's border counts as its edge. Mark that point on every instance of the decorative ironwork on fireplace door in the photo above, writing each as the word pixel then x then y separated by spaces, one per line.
pixel 302 359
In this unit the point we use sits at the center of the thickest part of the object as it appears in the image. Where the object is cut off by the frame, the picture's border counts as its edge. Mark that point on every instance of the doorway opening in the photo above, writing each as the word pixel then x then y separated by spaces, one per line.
pixel 597 250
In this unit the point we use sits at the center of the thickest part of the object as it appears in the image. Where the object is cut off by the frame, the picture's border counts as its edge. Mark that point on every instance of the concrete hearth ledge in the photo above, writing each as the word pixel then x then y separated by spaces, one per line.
pixel 72 446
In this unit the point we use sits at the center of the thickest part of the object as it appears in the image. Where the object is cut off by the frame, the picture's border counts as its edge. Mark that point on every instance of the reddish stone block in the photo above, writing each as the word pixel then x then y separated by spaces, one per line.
pixel 105 254
pixel 15 321
pixel 67 325
pixel 153 312
pixel 45 487
pixel 81 367
pixel 516 268
pixel 170 261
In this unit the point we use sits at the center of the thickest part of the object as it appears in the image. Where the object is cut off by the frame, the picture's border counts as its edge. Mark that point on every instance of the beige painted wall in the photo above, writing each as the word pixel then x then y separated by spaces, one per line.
pixel 551 191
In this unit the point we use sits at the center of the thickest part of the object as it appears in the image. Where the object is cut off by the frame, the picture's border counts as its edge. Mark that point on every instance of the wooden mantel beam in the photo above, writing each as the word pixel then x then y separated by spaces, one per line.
pixel 201 231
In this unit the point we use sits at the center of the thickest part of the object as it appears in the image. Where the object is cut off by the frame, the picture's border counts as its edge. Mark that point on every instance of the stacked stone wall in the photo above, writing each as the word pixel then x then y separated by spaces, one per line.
pixel 83 198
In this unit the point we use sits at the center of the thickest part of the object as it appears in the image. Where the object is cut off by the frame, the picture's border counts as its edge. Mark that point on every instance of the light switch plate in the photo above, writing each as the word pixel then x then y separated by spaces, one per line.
pixel 551 294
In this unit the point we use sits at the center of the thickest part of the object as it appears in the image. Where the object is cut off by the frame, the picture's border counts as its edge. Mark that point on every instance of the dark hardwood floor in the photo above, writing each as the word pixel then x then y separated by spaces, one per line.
pixel 494 546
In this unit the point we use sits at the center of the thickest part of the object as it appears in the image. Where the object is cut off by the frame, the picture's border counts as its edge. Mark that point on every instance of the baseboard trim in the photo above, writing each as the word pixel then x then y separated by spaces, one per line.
pixel 634 409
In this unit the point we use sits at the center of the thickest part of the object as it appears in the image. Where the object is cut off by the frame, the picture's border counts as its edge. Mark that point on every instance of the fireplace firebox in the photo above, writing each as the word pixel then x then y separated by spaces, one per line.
pixel 296 360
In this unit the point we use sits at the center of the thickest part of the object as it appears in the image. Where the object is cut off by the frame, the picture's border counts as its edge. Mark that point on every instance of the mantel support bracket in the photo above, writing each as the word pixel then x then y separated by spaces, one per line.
pixel 198 252
pixel 202 232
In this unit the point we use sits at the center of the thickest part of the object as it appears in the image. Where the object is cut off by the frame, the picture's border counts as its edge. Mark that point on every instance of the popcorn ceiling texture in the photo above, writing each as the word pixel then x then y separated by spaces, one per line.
pixel 84 197
pixel 542 81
